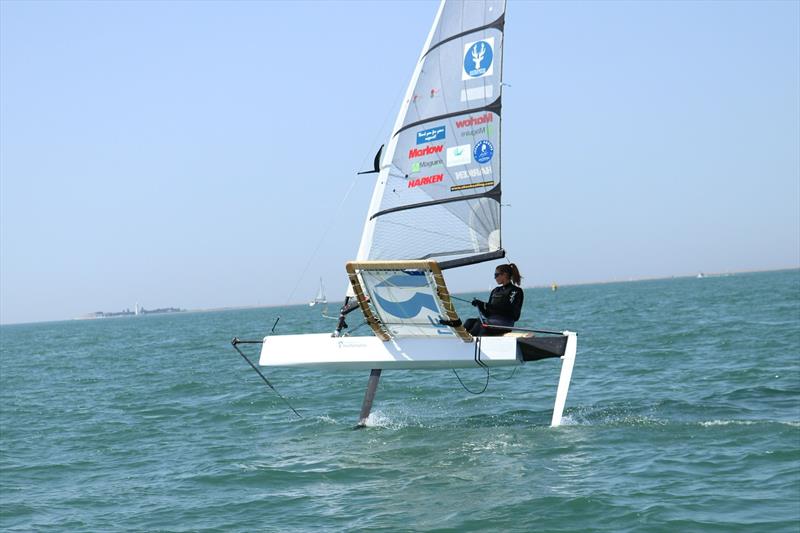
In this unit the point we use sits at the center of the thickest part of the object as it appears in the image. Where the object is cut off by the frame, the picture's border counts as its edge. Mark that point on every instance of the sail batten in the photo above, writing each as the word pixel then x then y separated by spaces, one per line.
pixel 438 189
pixel 493 193
pixel 495 107
pixel 499 23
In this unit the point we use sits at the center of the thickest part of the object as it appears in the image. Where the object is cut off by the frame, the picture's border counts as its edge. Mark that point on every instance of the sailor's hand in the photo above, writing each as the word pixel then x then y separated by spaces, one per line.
pixel 476 302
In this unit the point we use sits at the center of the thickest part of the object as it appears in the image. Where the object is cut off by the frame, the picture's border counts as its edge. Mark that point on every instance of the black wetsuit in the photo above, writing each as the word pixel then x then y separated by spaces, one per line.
pixel 502 309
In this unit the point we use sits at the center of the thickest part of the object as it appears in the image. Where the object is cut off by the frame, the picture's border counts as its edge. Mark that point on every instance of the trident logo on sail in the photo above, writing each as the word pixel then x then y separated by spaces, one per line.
pixel 478 58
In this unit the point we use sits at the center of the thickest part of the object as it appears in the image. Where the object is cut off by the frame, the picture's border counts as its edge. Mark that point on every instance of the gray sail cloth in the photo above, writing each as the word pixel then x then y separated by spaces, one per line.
pixel 441 198
pixel 460 16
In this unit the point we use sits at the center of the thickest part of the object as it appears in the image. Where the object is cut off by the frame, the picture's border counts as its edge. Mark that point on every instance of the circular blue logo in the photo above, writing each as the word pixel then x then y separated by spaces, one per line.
pixel 478 59
pixel 483 152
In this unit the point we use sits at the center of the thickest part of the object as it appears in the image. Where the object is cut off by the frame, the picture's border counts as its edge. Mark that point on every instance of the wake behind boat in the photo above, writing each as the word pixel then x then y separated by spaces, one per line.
pixel 435 206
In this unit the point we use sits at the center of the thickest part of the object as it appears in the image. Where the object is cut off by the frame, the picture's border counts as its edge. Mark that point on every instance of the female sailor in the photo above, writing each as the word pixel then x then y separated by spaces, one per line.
pixel 504 305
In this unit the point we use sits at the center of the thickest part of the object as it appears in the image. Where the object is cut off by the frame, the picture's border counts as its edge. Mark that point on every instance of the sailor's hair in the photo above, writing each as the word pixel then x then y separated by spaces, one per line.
pixel 512 271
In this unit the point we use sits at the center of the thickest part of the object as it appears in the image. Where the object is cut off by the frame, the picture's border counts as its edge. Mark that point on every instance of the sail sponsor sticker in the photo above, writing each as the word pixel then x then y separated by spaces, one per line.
pixel 427 180
pixel 428 150
pixel 418 166
pixel 455 188
pixel 472 173
pixel 459 155
pixel 483 152
pixel 483 131
pixel 433 134
pixel 479 125
pixel 478 59
pixel 469 122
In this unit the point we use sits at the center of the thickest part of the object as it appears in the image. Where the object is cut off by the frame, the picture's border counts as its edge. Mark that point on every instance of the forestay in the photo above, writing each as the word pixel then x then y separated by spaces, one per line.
pixel 438 190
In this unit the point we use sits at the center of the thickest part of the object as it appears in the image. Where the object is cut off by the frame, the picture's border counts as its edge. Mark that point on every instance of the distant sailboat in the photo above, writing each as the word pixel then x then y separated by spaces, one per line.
pixel 320 297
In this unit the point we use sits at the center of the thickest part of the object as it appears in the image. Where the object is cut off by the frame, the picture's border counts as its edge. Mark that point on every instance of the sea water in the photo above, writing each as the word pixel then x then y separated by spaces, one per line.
pixel 683 415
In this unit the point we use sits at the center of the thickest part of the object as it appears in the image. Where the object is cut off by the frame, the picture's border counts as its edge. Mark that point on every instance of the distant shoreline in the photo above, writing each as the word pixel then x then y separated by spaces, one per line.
pixel 655 278
pixel 127 312
pixel 469 291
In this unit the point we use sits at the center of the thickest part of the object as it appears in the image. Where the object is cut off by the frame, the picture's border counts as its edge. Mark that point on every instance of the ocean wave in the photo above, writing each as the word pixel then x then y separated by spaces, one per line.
pixel 710 423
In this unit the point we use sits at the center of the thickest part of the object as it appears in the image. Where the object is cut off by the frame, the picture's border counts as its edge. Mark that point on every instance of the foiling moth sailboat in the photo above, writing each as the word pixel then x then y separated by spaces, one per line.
pixel 435 206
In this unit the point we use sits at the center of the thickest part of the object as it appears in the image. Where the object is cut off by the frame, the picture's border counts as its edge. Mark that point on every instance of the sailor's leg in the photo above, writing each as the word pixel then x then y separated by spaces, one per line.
pixel 473 325
pixel 372 386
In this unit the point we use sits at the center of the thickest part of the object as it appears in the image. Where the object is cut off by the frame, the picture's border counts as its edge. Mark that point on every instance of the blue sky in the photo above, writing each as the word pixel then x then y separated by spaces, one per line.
pixel 195 154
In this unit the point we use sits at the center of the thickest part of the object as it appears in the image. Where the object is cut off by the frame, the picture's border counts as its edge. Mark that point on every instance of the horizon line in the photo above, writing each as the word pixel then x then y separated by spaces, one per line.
pixel 470 291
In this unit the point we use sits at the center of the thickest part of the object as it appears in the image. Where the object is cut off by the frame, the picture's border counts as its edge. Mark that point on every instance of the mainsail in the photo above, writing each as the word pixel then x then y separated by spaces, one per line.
pixel 438 189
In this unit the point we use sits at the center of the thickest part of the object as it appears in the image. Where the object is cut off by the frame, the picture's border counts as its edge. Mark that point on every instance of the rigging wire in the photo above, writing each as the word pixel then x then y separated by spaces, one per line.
pixel 377 135
pixel 321 241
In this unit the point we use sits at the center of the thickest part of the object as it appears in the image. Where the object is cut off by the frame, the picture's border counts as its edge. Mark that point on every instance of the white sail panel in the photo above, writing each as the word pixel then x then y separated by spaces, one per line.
pixel 406 302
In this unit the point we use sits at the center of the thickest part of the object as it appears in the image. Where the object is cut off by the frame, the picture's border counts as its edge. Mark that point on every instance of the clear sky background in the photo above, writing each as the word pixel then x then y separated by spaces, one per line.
pixel 195 154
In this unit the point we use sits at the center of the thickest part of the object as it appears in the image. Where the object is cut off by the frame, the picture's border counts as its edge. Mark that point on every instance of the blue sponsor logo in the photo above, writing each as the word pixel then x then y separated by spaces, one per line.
pixel 406 308
pixel 483 152
pixel 478 59
pixel 433 134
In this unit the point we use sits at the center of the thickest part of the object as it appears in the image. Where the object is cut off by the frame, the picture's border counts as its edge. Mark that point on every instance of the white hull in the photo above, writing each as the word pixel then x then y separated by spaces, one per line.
pixel 367 353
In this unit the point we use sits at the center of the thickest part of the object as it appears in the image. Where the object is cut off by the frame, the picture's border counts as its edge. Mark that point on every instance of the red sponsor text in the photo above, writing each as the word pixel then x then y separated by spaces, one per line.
pixel 427 180
pixel 474 121
pixel 428 150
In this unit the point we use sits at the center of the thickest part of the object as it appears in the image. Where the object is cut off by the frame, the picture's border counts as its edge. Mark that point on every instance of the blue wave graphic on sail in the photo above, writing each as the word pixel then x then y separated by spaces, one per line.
pixel 411 307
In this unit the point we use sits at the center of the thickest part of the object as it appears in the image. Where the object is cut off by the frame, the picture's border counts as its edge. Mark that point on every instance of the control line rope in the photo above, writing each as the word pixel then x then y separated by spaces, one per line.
pixel 465 387
pixel 478 361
